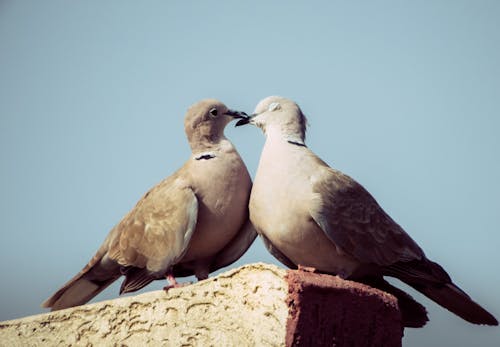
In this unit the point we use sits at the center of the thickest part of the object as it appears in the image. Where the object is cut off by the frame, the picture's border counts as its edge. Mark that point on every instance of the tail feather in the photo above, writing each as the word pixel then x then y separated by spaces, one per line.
pixel 413 314
pixel 77 292
pixel 97 275
pixel 135 279
pixel 431 279
pixel 457 301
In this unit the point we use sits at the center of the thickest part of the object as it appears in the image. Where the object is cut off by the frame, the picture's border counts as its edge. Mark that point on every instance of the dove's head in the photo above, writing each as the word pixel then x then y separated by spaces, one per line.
pixel 278 116
pixel 205 121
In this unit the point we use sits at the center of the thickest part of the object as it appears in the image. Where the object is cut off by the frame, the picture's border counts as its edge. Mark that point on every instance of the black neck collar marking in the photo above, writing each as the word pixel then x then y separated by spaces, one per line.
pixel 301 144
pixel 205 156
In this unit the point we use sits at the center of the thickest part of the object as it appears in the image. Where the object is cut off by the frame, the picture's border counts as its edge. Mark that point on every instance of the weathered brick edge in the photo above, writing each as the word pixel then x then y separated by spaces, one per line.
pixel 325 310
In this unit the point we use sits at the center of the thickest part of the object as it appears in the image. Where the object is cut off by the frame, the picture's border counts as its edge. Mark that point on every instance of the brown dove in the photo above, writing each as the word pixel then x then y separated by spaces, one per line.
pixel 193 222
pixel 311 215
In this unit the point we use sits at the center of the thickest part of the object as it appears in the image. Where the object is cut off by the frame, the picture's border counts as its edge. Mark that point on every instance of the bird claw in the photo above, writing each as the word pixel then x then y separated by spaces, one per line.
pixel 176 285
pixel 307 268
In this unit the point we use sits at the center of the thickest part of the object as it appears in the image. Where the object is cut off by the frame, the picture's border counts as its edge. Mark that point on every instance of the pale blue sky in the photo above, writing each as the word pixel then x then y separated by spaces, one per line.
pixel 401 95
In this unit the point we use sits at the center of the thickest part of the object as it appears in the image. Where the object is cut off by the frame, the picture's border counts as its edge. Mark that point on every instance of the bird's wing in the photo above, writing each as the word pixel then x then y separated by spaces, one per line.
pixel 355 223
pixel 277 253
pixel 236 247
pixel 149 239
pixel 155 234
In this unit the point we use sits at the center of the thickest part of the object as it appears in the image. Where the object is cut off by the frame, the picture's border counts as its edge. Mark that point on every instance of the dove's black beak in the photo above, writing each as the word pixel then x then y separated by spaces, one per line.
pixel 236 114
pixel 244 120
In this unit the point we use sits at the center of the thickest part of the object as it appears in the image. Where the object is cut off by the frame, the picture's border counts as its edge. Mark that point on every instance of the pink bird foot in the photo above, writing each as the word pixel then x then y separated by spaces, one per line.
pixel 173 283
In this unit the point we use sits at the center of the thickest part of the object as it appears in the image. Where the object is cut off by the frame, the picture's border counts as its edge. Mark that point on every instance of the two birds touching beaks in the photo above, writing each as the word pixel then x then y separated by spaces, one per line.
pixel 207 214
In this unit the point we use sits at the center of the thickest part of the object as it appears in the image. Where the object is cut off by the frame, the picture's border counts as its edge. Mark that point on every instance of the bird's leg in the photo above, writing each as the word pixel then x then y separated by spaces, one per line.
pixel 173 282
pixel 200 272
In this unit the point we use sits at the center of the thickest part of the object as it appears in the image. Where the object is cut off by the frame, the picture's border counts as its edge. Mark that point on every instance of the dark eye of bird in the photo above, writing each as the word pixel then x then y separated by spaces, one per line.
pixel 213 112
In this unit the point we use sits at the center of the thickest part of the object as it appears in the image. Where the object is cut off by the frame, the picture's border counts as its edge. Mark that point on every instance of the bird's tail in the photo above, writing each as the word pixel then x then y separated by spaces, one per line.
pixel 431 279
pixel 413 314
pixel 89 282
pixel 457 301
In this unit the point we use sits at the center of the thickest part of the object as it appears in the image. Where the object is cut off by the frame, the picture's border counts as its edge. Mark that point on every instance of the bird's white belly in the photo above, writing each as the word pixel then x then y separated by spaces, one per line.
pixel 293 232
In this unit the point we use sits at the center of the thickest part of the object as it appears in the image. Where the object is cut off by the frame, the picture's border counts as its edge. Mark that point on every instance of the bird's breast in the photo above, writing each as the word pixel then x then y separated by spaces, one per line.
pixel 280 209
pixel 223 205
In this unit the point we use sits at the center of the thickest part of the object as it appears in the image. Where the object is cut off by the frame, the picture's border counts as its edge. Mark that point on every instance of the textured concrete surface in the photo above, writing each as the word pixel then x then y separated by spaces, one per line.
pixel 242 307
pixel 254 305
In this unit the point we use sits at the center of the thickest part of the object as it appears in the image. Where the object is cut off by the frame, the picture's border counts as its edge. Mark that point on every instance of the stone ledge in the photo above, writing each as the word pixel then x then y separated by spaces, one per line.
pixel 253 305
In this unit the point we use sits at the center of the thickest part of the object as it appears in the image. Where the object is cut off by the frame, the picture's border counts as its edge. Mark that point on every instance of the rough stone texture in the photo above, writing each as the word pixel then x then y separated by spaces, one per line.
pixel 242 307
pixel 254 305
pixel 328 311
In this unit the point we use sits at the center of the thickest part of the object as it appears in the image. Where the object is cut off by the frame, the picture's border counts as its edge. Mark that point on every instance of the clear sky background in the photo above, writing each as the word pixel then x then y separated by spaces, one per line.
pixel 402 95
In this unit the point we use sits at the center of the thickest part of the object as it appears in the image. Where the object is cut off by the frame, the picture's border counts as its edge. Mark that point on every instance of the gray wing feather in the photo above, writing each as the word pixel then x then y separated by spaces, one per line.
pixel 353 220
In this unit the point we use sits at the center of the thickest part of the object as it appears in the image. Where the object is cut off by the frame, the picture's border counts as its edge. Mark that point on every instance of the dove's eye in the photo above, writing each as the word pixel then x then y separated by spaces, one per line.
pixel 274 106
pixel 213 112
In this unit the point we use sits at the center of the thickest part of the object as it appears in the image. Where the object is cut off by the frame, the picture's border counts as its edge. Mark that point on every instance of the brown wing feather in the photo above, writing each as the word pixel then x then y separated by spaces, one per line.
pixel 156 233
pixel 150 239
